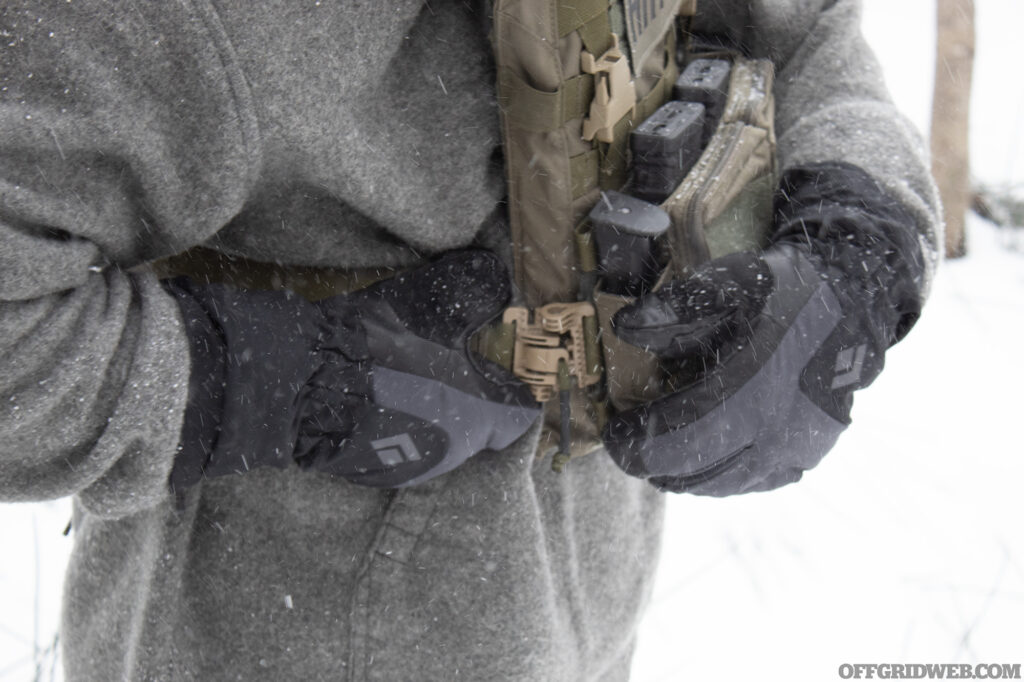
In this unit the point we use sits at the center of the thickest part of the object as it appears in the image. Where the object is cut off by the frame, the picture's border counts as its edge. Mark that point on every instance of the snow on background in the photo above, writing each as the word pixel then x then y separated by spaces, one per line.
pixel 904 545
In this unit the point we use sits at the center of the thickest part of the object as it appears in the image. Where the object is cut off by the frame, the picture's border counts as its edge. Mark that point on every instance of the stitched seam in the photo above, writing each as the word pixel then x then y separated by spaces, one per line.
pixel 359 612
pixel 248 123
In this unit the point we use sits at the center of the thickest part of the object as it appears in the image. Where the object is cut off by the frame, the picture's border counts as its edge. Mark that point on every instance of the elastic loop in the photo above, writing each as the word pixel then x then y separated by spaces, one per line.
pixel 528 108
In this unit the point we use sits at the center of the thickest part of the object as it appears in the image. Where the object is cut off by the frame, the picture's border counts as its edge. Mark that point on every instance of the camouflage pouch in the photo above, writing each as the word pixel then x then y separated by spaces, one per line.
pixel 723 205
pixel 725 202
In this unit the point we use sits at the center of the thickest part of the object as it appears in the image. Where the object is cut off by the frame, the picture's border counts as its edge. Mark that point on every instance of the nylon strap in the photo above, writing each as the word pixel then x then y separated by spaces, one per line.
pixel 597 34
pixel 575 13
pixel 592 347
pixel 542 112
pixel 584 169
pixel 613 157
pixel 586 248
pixel 662 90
pixel 206 265
pixel 578 92
pixel 496 342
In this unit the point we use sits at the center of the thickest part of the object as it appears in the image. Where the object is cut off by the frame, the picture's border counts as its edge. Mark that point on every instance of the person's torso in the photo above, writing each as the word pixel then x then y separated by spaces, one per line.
pixel 378 130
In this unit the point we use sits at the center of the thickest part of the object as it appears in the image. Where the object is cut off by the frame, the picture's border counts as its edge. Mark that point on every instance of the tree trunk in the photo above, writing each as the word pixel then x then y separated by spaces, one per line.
pixel 954 61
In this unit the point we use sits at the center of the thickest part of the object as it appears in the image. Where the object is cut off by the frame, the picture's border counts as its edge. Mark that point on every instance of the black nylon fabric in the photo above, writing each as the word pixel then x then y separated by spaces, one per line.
pixel 868 251
pixel 691 321
pixel 781 340
pixel 277 378
pixel 268 343
pixel 744 420
pixel 206 391
pixel 434 403
pixel 839 213
pixel 448 300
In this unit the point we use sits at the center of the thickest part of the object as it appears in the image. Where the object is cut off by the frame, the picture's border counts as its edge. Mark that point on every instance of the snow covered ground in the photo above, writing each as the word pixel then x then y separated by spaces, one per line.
pixel 905 545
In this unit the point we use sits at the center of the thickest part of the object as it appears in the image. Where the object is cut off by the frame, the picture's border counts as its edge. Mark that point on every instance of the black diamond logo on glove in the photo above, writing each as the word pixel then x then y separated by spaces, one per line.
pixel 395 450
pixel 849 364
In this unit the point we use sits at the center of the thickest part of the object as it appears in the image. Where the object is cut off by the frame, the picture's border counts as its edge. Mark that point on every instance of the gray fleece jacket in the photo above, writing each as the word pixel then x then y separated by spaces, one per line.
pixel 335 134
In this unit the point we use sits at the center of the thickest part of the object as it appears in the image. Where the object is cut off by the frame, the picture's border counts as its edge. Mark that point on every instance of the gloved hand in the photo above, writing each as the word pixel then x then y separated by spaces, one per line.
pixel 377 387
pixel 774 343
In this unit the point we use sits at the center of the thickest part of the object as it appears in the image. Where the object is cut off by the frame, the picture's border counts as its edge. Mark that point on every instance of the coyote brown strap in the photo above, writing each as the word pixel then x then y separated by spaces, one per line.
pixel 571 88
pixel 207 265
pixel 553 173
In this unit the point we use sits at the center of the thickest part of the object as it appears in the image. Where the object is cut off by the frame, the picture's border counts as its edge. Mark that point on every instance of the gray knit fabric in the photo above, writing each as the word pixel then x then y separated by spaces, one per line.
pixel 314 133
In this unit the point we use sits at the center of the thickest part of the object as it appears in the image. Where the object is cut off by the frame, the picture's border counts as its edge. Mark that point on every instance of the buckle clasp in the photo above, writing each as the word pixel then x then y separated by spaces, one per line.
pixel 557 333
pixel 614 92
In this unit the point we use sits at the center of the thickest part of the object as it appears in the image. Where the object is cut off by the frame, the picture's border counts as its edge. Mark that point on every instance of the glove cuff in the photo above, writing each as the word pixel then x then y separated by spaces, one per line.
pixel 201 422
pixel 839 214
pixel 260 349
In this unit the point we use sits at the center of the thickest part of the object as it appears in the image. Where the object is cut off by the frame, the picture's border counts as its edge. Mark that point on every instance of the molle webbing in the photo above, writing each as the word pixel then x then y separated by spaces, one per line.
pixel 555 176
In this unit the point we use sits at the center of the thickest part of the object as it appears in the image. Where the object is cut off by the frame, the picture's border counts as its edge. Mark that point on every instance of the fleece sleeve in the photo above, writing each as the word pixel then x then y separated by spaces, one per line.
pixel 832 106
pixel 124 136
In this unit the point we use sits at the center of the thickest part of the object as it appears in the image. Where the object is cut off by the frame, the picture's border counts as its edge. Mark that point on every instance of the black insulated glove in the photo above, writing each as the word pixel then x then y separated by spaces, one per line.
pixel 377 387
pixel 773 345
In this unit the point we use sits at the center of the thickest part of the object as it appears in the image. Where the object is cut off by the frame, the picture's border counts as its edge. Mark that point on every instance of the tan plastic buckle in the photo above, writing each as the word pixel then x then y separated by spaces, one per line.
pixel 614 92
pixel 554 335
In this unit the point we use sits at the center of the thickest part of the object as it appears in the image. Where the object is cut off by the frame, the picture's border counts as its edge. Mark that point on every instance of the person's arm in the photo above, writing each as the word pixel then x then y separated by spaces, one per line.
pixel 124 136
pixel 832 107
pixel 130 137
pixel 782 339
pixel 379 386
